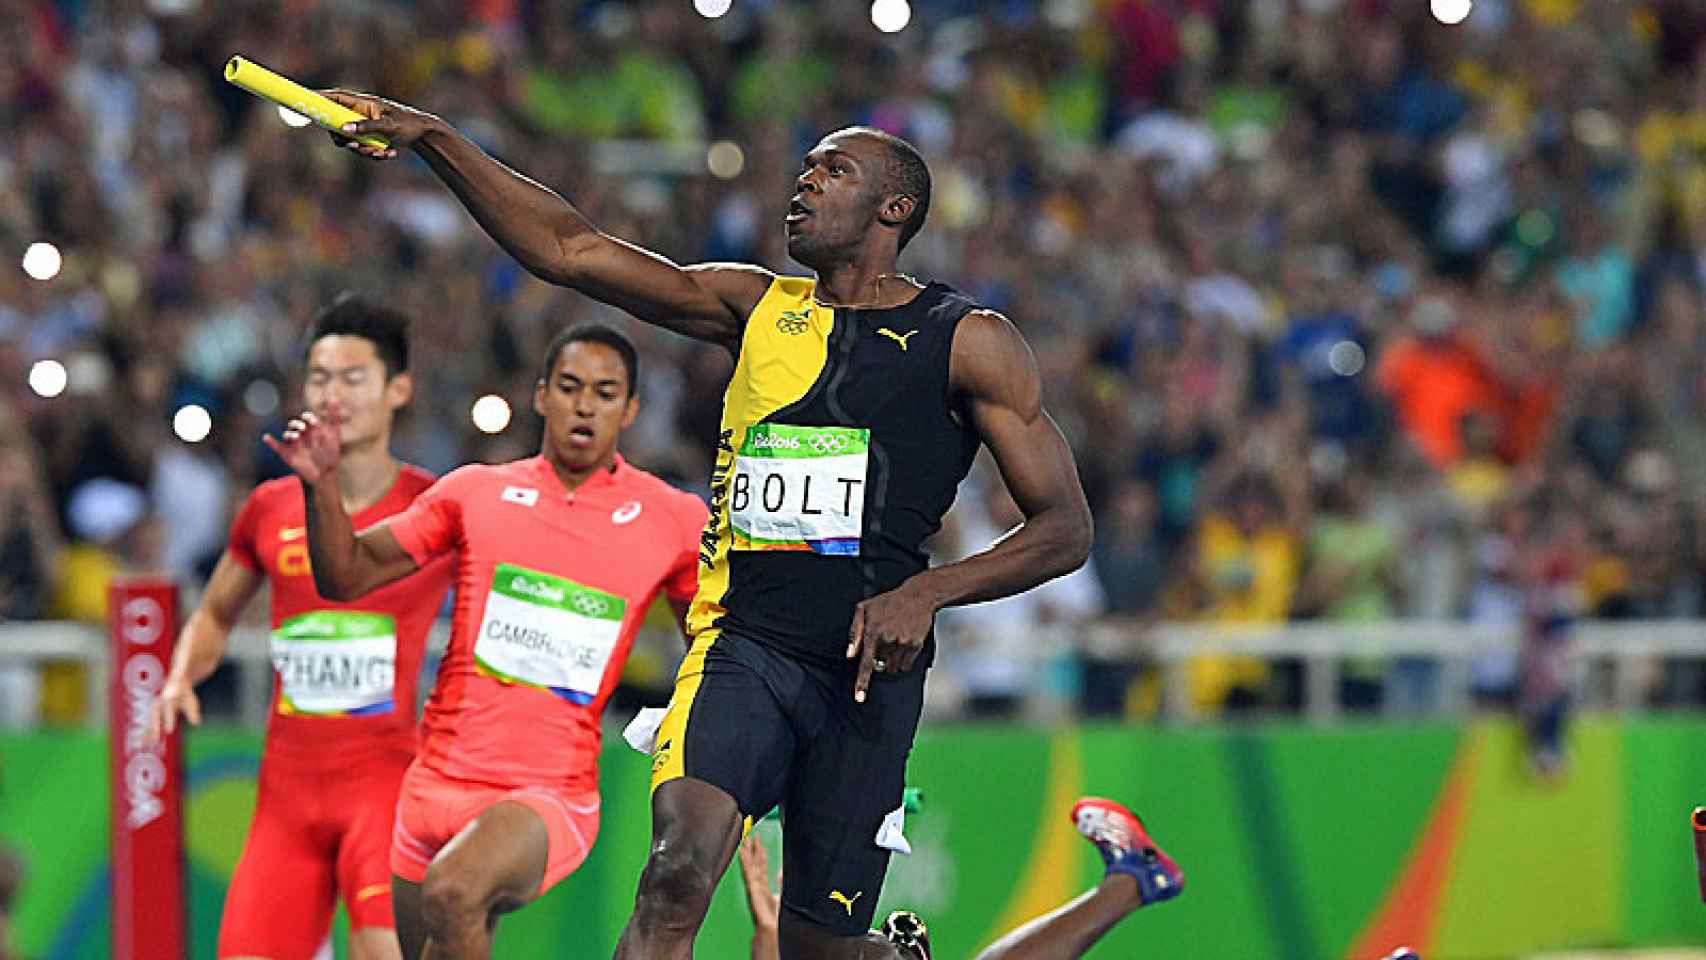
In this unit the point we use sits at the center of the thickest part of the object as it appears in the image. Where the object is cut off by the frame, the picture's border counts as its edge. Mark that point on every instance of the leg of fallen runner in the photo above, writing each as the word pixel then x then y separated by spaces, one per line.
pixel 1138 873
pixel 1071 930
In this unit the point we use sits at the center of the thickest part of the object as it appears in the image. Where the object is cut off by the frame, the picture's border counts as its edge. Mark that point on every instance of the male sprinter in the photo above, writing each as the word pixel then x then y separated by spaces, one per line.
pixel 342 728
pixel 1138 873
pixel 857 403
pixel 558 557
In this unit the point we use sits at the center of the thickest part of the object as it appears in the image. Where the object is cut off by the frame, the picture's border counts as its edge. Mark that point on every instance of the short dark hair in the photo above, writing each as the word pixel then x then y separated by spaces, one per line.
pixel 353 315
pixel 904 171
pixel 594 333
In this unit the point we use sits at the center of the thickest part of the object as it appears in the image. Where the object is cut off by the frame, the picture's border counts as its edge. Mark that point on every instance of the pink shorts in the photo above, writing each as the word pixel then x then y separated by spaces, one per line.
pixel 432 809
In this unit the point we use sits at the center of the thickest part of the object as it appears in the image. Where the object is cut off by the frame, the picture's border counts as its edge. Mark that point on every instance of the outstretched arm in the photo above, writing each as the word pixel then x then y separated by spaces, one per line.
pixel 995 377
pixel 346 565
pixel 554 241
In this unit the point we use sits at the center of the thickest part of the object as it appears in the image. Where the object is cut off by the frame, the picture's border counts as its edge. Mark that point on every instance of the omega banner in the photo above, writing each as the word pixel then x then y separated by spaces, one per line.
pixel 148 901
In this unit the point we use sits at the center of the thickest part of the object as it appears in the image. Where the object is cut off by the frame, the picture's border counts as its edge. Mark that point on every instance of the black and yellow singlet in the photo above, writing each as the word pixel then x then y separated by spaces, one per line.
pixel 837 457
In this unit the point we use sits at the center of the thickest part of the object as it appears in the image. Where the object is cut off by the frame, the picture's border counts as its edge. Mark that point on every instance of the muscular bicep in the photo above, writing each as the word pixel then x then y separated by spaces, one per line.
pixel 1033 457
pixel 705 301
pixel 229 590
pixel 995 375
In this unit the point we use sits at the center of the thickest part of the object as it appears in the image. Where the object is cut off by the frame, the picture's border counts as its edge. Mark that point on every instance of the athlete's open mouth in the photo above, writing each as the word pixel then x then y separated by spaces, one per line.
pixel 797 211
pixel 581 436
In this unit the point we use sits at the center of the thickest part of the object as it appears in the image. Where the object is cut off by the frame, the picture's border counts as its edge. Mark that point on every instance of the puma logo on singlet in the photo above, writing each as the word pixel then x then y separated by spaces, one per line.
pixel 840 897
pixel 897 337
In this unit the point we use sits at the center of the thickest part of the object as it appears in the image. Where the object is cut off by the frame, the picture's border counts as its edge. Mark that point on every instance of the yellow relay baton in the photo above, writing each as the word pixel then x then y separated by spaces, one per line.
pixel 293 96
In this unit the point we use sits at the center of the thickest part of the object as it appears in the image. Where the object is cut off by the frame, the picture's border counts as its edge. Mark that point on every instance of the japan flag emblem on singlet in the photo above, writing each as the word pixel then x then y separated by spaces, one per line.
pixel 522 495
pixel 625 513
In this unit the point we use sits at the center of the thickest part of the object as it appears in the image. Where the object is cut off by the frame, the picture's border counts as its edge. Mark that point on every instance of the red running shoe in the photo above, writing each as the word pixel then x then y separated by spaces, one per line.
pixel 1126 848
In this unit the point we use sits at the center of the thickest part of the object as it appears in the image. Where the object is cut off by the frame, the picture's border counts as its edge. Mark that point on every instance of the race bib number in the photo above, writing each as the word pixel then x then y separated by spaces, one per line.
pixel 336 663
pixel 800 488
pixel 547 632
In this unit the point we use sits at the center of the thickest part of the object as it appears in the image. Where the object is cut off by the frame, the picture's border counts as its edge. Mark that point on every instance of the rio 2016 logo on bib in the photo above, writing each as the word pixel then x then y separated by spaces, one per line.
pixel 800 488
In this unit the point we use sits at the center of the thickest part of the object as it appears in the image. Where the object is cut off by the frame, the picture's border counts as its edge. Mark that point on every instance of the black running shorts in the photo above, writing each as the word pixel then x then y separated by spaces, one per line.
pixel 768 728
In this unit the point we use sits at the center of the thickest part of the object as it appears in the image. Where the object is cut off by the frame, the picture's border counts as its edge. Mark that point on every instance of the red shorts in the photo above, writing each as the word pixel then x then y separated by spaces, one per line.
pixel 317 837
pixel 432 809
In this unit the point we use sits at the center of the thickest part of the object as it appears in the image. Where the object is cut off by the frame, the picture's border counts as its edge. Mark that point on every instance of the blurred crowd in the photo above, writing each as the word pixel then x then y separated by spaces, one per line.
pixel 1348 315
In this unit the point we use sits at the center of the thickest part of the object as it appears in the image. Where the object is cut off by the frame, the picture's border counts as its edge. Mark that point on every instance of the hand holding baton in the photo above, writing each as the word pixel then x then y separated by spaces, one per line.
pixel 295 97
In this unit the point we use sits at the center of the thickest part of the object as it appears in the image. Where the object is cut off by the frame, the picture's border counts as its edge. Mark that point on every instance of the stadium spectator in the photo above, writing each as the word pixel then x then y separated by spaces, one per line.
pixel 31 554
pixel 30 545
pixel 1351 567
pixel 1435 377
pixel 1480 478
pixel 1247 559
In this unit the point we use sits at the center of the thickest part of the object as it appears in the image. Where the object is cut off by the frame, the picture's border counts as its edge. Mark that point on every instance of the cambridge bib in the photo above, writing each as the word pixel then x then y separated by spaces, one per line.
pixel 547 632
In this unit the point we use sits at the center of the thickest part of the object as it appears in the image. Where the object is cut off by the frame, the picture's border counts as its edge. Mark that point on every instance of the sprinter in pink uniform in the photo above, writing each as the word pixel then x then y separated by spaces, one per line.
pixel 557 559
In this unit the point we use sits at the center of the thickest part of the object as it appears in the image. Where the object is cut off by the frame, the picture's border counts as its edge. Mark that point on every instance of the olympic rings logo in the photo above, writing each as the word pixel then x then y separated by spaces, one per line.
pixel 793 322
pixel 589 605
pixel 834 443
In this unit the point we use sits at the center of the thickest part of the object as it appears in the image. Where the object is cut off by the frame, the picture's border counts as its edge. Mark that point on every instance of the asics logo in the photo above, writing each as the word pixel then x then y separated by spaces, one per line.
pixel 899 338
pixel 843 899
pixel 525 496
pixel 625 513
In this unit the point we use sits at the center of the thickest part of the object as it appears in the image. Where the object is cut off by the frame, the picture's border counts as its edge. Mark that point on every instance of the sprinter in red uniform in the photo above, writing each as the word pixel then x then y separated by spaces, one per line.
pixel 342 727
pixel 557 559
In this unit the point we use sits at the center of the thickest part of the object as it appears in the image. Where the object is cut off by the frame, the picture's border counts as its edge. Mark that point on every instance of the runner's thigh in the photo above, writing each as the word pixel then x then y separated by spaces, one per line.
pixel 281 896
pixel 849 779
pixel 732 722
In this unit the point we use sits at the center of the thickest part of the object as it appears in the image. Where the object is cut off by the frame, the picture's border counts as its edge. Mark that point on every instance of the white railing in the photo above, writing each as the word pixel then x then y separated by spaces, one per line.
pixel 1617 656
pixel 48 640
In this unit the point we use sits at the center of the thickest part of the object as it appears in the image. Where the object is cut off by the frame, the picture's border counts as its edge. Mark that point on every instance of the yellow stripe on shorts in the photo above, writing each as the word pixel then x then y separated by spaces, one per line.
pixel 668 757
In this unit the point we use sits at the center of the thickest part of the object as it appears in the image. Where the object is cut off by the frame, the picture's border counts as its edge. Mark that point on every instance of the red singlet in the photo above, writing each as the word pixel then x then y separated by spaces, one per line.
pixel 340 734
pixel 551 587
